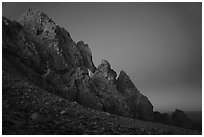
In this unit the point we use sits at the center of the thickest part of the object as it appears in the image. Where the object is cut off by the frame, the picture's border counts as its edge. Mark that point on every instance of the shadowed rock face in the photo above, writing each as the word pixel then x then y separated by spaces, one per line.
pixel 46 54
pixel 104 82
pixel 139 104
pixel 124 82
pixel 86 94
pixel 162 118
pixel 86 55
pixel 180 119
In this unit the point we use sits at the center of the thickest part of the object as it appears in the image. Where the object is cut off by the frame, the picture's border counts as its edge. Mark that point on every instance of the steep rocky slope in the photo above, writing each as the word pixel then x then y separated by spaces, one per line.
pixel 28 109
pixel 44 54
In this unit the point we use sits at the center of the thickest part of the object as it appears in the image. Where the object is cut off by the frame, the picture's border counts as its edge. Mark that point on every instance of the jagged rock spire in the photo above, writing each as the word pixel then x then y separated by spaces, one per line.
pixel 38 23
pixel 105 67
pixel 124 82
pixel 86 55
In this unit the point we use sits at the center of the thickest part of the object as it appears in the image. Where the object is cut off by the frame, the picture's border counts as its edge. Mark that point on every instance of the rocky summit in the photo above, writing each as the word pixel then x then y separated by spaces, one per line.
pixel 49 57
pixel 44 54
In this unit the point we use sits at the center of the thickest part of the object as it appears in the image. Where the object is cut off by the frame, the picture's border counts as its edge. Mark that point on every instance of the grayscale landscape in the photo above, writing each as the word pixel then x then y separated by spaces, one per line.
pixel 102 68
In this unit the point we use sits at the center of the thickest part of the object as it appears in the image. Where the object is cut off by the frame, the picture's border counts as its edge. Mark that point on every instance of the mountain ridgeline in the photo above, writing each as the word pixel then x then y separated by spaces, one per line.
pixel 46 55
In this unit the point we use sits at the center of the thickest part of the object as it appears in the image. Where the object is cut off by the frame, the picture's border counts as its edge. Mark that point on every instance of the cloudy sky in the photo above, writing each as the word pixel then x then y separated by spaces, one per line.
pixel 159 45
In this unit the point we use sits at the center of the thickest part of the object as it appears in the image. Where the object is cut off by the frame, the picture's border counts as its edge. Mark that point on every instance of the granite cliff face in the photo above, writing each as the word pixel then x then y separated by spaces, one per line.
pixel 46 55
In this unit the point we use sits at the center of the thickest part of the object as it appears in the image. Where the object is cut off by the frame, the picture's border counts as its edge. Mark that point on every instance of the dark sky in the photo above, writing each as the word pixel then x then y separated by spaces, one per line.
pixel 159 45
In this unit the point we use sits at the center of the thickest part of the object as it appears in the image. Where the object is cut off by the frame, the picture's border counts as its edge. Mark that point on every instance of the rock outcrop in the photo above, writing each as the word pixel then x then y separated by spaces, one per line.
pixel 86 94
pixel 139 104
pixel 45 53
pixel 180 119
pixel 162 118
pixel 104 81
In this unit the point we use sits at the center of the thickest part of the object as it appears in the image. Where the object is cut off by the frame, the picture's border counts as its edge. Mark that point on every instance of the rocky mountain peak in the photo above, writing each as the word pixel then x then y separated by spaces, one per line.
pixel 124 81
pixel 123 75
pixel 50 58
pixel 180 119
pixel 105 69
pixel 38 23
pixel 179 111
pixel 36 14
pixel 105 65
pixel 47 56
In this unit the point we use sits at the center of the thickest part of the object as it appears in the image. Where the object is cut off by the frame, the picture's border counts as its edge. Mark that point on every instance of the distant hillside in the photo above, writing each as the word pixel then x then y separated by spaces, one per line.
pixel 195 116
